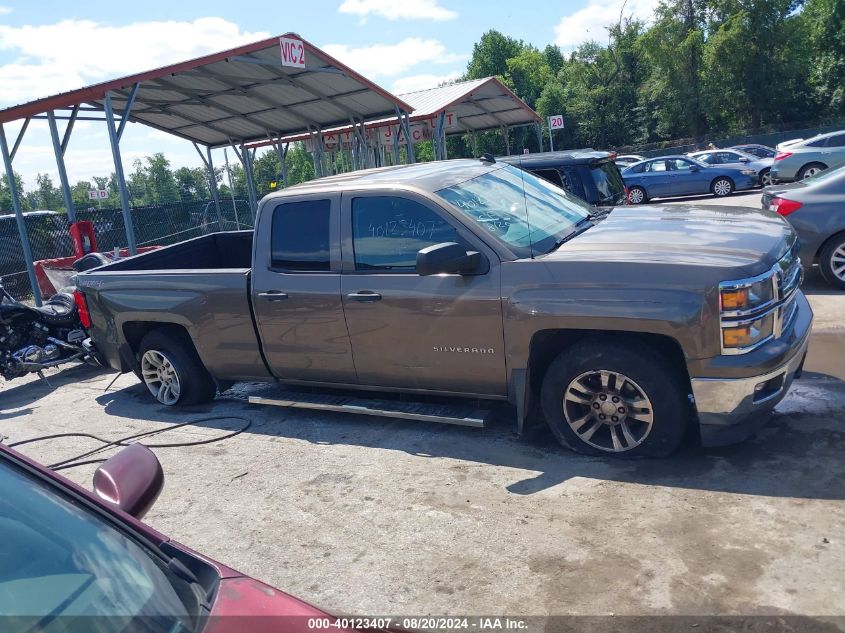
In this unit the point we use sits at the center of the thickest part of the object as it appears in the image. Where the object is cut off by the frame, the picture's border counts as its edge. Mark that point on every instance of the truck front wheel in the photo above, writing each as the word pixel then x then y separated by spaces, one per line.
pixel 621 400
pixel 173 372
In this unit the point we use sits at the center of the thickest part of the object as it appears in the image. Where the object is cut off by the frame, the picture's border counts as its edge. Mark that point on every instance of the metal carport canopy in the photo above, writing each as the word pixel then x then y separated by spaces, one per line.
pixel 241 95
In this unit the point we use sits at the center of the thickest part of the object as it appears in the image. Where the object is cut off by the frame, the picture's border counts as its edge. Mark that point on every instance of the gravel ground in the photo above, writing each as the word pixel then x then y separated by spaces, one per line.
pixel 377 516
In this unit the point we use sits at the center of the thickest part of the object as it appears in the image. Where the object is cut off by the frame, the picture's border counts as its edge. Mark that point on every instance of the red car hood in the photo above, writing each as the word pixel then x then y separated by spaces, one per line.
pixel 245 604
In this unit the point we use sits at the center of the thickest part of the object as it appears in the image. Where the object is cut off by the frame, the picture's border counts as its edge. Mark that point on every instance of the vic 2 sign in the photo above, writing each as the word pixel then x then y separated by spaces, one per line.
pixel 293 52
pixel 556 122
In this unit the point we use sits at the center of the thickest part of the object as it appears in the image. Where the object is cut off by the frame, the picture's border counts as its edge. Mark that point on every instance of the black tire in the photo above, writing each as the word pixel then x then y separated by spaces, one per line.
pixel 765 178
pixel 810 170
pixel 195 385
pixel 831 259
pixel 722 187
pixel 640 196
pixel 663 385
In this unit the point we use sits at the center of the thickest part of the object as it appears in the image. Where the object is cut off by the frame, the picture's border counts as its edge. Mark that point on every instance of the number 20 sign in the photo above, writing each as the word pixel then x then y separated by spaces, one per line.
pixel 556 122
pixel 293 52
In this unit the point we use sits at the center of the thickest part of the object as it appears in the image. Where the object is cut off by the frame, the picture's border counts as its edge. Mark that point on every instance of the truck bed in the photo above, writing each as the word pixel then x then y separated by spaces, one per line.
pixel 217 251
pixel 201 285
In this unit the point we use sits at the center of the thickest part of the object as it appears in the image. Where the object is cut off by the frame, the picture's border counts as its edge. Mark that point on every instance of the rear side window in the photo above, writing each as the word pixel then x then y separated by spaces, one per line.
pixel 822 142
pixel 387 232
pixel 608 182
pixel 837 140
pixel 552 175
pixel 300 238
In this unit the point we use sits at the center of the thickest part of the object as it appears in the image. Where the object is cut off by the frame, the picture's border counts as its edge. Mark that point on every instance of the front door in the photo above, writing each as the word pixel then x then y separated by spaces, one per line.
pixel 440 332
pixel 296 291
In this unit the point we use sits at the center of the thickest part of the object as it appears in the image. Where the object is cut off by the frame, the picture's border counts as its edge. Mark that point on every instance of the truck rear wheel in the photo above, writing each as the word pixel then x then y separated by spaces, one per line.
pixel 173 372
pixel 617 399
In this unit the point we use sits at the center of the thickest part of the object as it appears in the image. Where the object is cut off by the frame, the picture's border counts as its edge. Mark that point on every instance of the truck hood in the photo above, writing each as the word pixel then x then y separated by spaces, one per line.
pixel 697 235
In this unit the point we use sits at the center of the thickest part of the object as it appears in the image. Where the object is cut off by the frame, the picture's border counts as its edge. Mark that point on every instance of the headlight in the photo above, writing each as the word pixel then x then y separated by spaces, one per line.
pixel 749 333
pixel 746 296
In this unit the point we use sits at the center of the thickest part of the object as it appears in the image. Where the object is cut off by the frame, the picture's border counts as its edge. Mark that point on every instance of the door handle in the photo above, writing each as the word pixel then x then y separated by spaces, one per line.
pixel 364 296
pixel 273 295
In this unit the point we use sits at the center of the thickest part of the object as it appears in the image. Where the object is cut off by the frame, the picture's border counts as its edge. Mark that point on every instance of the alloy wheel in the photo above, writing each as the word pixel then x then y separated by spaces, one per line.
pixel 837 262
pixel 608 410
pixel 635 196
pixel 161 377
pixel 722 187
pixel 810 172
pixel 766 179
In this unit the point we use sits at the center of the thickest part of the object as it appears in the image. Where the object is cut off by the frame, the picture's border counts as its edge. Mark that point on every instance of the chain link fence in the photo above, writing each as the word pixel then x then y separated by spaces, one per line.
pixel 161 225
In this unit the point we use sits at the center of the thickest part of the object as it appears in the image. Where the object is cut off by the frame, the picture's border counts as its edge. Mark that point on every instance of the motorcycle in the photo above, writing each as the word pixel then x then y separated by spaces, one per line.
pixel 34 339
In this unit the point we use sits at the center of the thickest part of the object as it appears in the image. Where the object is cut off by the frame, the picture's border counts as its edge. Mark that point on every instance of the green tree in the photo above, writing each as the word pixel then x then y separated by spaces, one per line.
pixel 49 196
pixel 670 95
pixel 6 195
pixel 79 193
pixel 192 183
pixel 491 54
pixel 825 21
pixel 161 184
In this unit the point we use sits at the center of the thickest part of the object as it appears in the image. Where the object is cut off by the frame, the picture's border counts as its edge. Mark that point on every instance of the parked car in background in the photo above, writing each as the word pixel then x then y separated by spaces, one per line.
pixel 669 176
pixel 788 143
pixel 807 158
pixel 74 556
pixel 628 159
pixel 588 174
pixel 816 210
pixel 735 158
pixel 760 151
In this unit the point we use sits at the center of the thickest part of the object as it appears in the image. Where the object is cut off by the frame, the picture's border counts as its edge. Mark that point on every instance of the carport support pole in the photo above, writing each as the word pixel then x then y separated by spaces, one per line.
pixel 212 181
pixel 539 136
pixel 16 206
pixel 60 163
pixel 250 181
pixel 507 140
pixel 114 139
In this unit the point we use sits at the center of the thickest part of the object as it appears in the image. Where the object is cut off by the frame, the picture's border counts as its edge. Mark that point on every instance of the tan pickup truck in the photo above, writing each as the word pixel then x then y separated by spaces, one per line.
pixel 627 330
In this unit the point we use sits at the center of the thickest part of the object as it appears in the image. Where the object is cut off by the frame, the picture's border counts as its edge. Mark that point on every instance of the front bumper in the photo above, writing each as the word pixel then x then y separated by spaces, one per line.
pixel 732 408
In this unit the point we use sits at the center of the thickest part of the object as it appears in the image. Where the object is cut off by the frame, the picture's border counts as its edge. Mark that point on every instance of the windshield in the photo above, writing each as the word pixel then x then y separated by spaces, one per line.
pixel 524 211
pixel 59 559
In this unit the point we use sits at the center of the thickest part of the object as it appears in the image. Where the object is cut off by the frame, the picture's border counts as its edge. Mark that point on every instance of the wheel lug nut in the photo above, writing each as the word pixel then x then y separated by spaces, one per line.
pixel 602 397
pixel 596 405
pixel 615 419
pixel 615 398
pixel 621 409
pixel 602 416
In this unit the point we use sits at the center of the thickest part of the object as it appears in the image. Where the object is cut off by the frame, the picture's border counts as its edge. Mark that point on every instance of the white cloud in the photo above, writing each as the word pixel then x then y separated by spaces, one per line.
pixel 413 83
pixel 399 9
pixel 389 60
pixel 5 10
pixel 589 22
pixel 52 58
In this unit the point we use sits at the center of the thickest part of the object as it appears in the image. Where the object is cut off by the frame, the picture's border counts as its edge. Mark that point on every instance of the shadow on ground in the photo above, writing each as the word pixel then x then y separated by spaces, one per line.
pixel 798 454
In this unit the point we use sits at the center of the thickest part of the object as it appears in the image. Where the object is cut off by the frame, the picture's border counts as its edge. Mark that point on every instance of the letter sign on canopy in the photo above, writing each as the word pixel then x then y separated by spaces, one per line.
pixel 293 52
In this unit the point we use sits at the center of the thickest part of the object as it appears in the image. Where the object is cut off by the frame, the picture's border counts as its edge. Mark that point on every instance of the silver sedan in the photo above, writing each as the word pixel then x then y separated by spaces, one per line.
pixel 736 158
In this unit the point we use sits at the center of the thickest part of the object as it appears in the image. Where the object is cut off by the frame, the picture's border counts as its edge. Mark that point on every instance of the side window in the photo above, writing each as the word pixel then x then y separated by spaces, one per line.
pixel 387 232
pixel 300 239
pixel 822 142
pixel 679 165
pixel 710 159
pixel 729 157
pixel 836 141
pixel 552 175
pixel 638 169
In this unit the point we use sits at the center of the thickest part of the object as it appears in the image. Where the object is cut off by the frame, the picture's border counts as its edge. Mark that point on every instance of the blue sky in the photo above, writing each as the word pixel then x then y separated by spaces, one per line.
pixel 51 46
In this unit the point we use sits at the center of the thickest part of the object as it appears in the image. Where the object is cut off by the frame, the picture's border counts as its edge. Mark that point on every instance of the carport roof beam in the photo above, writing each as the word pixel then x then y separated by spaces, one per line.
pixel 299 97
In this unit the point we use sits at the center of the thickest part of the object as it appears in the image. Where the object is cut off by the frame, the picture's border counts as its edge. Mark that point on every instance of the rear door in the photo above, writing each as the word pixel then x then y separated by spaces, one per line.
pixel 296 290
pixel 439 332
pixel 656 178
